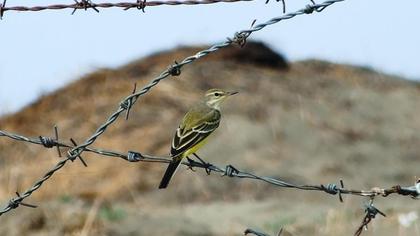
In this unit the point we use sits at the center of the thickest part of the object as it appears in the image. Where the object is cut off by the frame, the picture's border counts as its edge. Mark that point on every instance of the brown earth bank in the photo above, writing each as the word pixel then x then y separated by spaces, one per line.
pixel 307 122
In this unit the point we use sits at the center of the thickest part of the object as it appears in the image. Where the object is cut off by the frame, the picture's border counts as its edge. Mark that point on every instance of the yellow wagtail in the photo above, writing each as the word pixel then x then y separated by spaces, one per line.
pixel 199 122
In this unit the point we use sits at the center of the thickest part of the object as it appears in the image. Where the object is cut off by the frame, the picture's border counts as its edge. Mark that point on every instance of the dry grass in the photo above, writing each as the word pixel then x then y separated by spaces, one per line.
pixel 311 122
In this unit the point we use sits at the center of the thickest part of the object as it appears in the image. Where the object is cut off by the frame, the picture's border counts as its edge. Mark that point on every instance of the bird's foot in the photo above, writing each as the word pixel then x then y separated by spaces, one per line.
pixel 206 165
pixel 191 164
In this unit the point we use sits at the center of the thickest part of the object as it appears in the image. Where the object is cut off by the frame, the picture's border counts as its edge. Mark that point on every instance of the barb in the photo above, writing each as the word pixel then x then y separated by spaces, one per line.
pixel 129 103
pixel 56 140
pixel 140 6
pixel 2 9
pixel 78 156
pixel 84 4
pixel 88 4
pixel 371 213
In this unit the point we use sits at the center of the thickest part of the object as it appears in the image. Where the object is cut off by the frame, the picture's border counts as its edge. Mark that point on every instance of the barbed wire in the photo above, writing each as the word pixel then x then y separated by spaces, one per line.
pixel 370 211
pixel 239 38
pixel 229 171
pixel 138 4
pixel 173 70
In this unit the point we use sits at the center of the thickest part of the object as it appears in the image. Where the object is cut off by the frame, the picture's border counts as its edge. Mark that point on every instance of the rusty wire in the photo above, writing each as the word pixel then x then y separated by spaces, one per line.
pixel 89 4
pixel 371 213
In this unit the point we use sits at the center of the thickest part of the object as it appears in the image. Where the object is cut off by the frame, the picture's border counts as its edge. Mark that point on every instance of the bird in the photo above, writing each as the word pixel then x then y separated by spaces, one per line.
pixel 198 123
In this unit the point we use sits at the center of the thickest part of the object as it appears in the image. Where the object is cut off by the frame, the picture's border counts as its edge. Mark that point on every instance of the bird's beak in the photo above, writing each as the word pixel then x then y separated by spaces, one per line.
pixel 232 93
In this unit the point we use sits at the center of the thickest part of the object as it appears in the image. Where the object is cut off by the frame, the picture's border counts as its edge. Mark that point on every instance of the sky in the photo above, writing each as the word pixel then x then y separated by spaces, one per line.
pixel 43 51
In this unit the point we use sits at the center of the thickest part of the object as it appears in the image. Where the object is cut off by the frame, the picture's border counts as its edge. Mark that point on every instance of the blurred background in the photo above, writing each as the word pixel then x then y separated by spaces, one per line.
pixel 323 97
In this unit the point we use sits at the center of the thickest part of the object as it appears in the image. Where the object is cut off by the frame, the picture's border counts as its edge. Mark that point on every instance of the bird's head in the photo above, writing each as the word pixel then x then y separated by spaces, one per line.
pixel 215 97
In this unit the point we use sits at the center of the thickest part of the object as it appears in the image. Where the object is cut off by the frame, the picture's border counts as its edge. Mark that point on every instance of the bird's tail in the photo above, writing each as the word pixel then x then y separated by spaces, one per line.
pixel 170 171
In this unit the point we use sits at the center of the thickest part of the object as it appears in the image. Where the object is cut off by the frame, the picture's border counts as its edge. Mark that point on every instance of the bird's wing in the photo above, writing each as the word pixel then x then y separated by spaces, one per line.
pixel 188 136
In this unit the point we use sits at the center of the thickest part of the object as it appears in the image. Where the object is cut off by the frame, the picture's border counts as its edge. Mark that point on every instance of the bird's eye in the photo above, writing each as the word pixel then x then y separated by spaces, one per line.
pixel 216 94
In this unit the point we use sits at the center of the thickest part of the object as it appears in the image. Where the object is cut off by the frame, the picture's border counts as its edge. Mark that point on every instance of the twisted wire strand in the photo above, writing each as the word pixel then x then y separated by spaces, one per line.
pixel 230 171
pixel 17 201
pixel 123 5
pixel 175 69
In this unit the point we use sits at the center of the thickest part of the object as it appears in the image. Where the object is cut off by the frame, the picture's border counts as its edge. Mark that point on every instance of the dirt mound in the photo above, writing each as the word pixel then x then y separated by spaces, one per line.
pixel 307 122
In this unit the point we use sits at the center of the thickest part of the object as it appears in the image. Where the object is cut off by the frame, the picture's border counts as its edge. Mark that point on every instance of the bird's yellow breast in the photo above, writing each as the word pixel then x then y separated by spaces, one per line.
pixel 195 147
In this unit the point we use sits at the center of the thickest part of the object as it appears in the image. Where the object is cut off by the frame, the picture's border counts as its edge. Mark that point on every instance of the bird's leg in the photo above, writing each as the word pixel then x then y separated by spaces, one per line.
pixel 205 164
pixel 191 163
